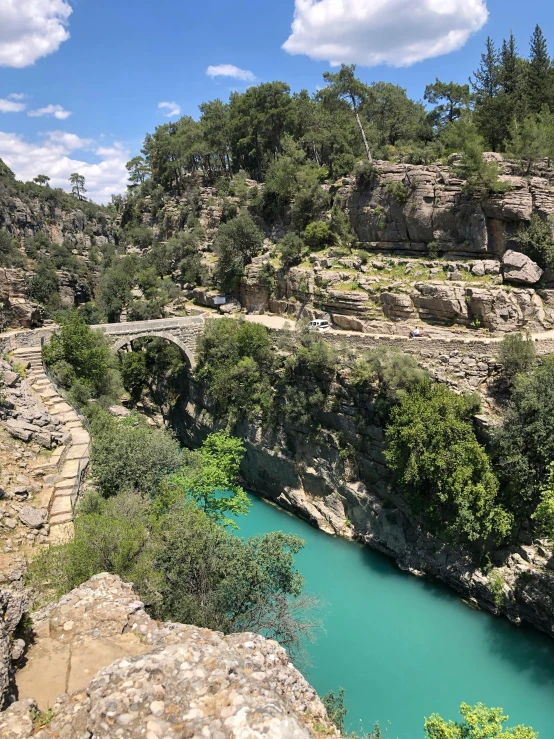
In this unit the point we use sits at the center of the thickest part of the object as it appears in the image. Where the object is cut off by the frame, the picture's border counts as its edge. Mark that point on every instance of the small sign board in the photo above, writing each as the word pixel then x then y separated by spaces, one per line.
pixel 220 300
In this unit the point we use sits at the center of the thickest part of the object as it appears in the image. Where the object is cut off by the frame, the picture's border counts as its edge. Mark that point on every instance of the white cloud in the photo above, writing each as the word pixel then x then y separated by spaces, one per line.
pixel 394 32
pixel 68 141
pixel 10 106
pixel 172 109
pixel 17 96
pixel 31 29
pixel 229 70
pixel 56 110
pixel 55 156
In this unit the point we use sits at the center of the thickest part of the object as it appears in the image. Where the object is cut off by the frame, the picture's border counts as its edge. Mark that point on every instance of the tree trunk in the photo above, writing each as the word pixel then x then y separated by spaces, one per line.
pixel 364 137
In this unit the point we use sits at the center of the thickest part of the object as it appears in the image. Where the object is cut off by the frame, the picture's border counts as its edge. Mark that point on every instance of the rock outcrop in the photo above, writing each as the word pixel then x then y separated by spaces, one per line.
pixel 109 670
pixel 520 268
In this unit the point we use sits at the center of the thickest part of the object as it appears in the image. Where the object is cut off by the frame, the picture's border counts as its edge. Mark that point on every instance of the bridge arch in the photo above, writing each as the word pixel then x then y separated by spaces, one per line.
pixel 120 341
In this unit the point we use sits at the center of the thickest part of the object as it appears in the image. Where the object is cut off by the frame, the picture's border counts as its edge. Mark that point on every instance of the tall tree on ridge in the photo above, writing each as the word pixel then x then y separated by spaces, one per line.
pixel 344 85
pixel 539 81
pixel 78 182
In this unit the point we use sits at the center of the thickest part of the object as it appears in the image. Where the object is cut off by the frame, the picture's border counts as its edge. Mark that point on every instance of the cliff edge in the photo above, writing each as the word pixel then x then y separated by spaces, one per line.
pixel 99 666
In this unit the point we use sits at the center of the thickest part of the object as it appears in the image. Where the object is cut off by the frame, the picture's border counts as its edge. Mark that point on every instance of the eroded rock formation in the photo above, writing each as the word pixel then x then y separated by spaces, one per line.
pixel 109 670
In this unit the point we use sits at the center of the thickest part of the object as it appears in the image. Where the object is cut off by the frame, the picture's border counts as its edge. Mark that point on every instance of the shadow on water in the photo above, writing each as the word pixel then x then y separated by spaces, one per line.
pixel 528 651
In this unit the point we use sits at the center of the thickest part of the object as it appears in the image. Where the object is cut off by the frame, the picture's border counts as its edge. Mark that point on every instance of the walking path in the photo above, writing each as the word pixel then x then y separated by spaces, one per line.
pixel 69 462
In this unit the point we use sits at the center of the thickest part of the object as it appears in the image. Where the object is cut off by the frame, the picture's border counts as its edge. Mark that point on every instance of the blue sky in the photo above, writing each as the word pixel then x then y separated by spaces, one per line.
pixel 90 99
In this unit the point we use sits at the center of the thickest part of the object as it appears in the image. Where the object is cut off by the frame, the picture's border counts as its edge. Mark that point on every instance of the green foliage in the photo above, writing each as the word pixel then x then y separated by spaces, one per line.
pixel 10 256
pixel 236 244
pixel 317 235
pixel 517 354
pixel 441 468
pixel 110 536
pixel 395 372
pixel 234 360
pixel 336 710
pixel 544 515
pixel 130 456
pixel 43 284
pixel 452 100
pixel 210 479
pixel 481 176
pixel 134 373
pixel 185 567
pixel 398 191
pixel 366 176
pixel 479 722
pixel 523 447
pixel 537 240
pixel 291 248
pixel 496 582
pixel 76 352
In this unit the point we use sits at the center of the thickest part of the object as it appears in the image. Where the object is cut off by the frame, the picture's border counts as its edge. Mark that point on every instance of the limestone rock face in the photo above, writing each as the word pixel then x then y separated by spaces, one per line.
pixel 519 267
pixel 13 605
pixel 167 680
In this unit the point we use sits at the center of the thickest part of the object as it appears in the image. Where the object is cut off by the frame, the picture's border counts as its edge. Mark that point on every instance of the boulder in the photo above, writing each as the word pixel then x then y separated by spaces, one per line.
pixel 519 267
pixel 397 307
pixel 19 430
pixel 34 518
pixel 441 303
pixel 11 378
pixel 347 323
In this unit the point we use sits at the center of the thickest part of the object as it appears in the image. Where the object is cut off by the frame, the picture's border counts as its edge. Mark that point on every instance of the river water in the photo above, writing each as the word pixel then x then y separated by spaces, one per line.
pixel 404 647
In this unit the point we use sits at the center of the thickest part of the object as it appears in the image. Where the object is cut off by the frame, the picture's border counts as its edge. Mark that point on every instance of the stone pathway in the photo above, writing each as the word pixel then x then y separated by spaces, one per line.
pixel 68 462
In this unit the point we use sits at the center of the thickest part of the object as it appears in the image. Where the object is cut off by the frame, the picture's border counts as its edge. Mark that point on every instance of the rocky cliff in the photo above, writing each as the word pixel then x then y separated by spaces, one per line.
pixel 108 670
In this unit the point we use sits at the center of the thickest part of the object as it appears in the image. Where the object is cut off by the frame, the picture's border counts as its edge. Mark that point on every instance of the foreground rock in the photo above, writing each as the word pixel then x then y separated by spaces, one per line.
pixel 13 605
pixel 167 680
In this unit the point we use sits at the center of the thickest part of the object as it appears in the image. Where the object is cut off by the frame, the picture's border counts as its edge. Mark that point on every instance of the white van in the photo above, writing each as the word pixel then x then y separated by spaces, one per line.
pixel 319 325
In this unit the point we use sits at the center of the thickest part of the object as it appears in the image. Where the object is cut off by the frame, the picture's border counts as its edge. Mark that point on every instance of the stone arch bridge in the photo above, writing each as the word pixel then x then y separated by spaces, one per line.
pixel 183 332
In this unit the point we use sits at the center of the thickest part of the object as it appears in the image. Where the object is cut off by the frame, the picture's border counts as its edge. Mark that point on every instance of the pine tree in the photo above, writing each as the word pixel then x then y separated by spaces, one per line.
pixel 510 67
pixel 539 78
pixel 487 78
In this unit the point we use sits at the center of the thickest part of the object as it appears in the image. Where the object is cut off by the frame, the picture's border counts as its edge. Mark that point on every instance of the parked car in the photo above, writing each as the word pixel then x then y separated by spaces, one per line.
pixel 319 325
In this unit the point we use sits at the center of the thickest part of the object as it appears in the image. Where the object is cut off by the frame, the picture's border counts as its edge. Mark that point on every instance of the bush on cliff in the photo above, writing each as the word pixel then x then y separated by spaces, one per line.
pixel 236 244
pixel 523 447
pixel 10 256
pixel 537 240
pixel 441 468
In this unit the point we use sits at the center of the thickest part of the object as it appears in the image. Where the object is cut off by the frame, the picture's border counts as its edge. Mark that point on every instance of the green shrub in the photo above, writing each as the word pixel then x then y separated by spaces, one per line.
pixel 235 360
pixel 86 352
pixel 398 191
pixel 517 354
pixel 10 256
pixel 441 468
pixel 496 581
pixel 291 248
pixel 366 176
pixel 479 722
pixel 43 284
pixel 236 243
pixel 544 515
pixel 130 456
pixel 317 235
pixel 537 240
pixel 523 446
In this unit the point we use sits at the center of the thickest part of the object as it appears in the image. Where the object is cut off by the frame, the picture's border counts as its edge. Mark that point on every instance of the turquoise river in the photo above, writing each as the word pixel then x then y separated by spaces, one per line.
pixel 405 647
